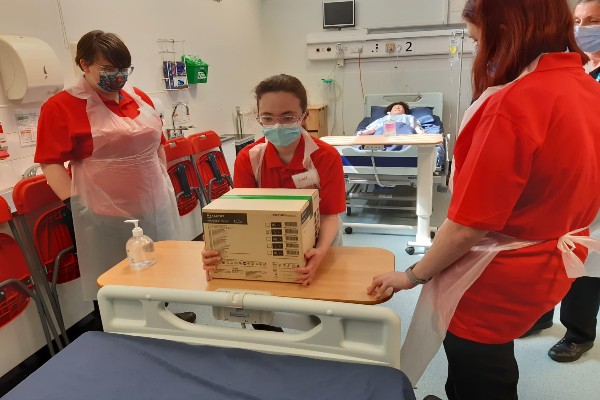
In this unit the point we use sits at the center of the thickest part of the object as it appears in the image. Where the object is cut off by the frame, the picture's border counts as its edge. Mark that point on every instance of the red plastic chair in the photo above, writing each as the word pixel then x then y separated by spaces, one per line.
pixel 43 218
pixel 183 175
pixel 211 165
pixel 16 283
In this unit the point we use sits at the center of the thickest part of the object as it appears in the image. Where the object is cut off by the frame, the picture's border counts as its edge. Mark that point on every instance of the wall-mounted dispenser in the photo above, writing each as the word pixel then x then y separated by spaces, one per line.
pixel 29 69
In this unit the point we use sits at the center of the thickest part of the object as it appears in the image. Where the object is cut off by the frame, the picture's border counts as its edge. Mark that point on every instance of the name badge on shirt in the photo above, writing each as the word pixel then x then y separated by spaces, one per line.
pixel 306 180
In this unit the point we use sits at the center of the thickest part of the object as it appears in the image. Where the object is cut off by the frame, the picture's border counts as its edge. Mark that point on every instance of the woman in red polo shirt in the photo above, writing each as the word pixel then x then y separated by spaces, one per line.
pixel 112 137
pixel 288 157
pixel 525 191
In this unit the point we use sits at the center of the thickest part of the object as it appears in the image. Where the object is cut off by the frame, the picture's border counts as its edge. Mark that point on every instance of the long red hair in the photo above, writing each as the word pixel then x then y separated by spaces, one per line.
pixel 513 33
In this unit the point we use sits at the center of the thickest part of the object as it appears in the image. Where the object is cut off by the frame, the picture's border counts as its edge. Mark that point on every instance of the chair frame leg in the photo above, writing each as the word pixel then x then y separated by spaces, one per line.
pixel 39 277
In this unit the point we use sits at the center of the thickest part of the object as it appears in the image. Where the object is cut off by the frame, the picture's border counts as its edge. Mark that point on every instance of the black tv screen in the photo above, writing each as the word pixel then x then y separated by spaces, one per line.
pixel 338 14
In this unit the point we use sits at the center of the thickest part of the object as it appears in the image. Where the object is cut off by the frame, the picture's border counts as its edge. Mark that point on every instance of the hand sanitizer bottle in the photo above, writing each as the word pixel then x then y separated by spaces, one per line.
pixel 389 126
pixel 140 248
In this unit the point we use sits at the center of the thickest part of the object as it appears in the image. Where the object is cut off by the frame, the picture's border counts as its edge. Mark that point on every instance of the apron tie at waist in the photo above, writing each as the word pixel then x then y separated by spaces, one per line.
pixel 440 296
pixel 566 244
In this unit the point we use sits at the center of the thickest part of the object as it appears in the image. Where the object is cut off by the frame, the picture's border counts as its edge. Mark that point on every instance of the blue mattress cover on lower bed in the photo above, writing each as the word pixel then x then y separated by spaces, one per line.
pixel 106 366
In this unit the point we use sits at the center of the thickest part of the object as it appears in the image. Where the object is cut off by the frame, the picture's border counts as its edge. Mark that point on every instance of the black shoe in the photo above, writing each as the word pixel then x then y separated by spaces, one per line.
pixel 566 351
pixel 431 397
pixel 538 326
pixel 187 316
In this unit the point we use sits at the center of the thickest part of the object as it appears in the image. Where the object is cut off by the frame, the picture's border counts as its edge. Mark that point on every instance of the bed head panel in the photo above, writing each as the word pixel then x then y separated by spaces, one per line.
pixel 347 332
pixel 428 99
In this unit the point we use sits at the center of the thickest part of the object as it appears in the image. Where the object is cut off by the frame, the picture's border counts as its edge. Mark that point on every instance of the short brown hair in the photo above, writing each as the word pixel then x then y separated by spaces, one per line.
pixel 282 83
pixel 403 104
pixel 513 33
pixel 108 45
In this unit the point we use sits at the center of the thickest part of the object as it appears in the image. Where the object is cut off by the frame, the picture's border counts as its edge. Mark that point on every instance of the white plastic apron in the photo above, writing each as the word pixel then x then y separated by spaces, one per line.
pixel 122 179
pixel 257 155
pixel 440 296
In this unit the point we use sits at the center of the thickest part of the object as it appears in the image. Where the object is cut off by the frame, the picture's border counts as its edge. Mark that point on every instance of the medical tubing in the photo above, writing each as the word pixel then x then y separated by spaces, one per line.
pixel 375 172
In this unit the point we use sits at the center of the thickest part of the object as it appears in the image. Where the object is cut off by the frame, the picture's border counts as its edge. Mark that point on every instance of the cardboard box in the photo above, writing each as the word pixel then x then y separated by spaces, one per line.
pixel 262 234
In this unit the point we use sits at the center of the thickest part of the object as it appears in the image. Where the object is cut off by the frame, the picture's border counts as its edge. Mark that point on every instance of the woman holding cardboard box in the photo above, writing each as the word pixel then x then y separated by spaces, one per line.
pixel 288 157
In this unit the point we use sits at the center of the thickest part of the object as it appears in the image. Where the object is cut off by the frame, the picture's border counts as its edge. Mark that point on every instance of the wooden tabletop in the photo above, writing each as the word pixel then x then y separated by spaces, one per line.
pixel 365 140
pixel 343 275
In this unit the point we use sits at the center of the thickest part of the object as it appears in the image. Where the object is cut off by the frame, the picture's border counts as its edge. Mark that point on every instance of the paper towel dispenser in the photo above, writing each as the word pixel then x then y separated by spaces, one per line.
pixel 29 69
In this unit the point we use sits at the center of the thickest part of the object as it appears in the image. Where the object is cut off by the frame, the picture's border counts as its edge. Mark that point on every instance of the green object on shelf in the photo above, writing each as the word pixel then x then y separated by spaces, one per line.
pixel 197 70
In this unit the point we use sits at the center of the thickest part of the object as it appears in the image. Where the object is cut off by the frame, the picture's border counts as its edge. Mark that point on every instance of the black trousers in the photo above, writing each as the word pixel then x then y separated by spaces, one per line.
pixel 579 310
pixel 478 371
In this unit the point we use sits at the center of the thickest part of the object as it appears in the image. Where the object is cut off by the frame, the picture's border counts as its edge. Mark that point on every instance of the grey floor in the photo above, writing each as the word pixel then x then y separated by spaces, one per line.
pixel 540 377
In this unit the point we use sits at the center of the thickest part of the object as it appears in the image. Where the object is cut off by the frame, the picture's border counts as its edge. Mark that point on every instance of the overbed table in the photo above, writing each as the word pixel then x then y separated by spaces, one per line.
pixel 426 145
pixel 344 274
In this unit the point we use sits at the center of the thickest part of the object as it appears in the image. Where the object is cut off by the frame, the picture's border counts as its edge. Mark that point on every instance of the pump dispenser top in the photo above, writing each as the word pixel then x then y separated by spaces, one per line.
pixel 137 231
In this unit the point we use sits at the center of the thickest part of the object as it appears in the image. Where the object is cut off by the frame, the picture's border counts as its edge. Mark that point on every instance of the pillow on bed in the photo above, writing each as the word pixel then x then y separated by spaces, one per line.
pixel 423 114
pixel 377 112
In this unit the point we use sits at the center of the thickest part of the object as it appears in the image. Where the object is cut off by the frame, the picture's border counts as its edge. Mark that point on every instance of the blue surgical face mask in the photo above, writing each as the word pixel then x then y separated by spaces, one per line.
pixel 588 38
pixel 282 135
pixel 112 83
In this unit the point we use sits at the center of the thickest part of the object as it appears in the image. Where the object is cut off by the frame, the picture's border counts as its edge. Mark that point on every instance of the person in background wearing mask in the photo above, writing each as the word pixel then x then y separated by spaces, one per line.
pixel 288 157
pixel 510 248
pixel 111 135
pixel 579 308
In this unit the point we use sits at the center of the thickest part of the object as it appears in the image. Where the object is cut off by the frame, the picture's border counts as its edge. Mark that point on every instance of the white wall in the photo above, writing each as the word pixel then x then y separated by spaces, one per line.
pixel 289 23
pixel 243 41
pixel 208 27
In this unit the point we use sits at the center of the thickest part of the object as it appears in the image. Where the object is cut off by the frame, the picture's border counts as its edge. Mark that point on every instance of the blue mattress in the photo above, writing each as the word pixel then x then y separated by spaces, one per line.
pixel 382 162
pixel 101 365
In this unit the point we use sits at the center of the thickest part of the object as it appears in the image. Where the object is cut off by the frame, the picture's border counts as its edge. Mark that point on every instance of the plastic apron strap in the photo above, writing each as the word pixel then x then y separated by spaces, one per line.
pixel 257 155
pixel 439 299
pixel 573 265
pixel 310 147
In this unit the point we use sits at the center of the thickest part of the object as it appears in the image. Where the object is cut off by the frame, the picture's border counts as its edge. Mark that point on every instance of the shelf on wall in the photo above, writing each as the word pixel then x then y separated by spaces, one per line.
pixel 174 70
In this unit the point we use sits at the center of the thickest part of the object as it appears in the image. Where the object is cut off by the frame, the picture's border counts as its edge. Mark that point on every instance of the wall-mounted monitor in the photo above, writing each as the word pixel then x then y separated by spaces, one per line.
pixel 338 14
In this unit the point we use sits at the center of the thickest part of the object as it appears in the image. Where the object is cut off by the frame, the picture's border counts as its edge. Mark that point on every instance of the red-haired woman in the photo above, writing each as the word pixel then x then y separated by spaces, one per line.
pixel 579 308
pixel 525 191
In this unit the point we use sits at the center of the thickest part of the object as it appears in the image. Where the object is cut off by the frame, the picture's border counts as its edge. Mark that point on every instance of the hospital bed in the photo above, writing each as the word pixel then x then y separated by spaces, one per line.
pixel 371 170
pixel 147 352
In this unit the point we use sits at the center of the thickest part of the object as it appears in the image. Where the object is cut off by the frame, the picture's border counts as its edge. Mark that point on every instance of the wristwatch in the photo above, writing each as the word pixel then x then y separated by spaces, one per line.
pixel 413 279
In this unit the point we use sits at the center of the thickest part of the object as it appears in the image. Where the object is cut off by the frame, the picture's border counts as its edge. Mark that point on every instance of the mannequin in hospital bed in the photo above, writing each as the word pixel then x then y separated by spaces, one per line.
pixel 399 112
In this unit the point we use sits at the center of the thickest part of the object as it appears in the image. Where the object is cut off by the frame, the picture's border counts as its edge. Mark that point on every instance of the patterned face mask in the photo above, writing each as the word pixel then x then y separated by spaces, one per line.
pixel 112 83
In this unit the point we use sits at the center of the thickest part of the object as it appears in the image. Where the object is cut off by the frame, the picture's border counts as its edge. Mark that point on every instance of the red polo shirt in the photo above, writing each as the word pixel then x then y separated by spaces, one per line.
pixel 275 174
pixel 64 132
pixel 526 165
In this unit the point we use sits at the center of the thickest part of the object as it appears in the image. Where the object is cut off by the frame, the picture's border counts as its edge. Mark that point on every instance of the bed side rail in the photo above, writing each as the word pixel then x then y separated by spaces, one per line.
pixel 346 332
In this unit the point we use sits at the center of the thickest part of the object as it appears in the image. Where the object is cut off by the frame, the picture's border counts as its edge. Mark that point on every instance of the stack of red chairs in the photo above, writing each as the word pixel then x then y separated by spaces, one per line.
pixel 183 175
pixel 16 284
pixel 211 165
pixel 44 220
